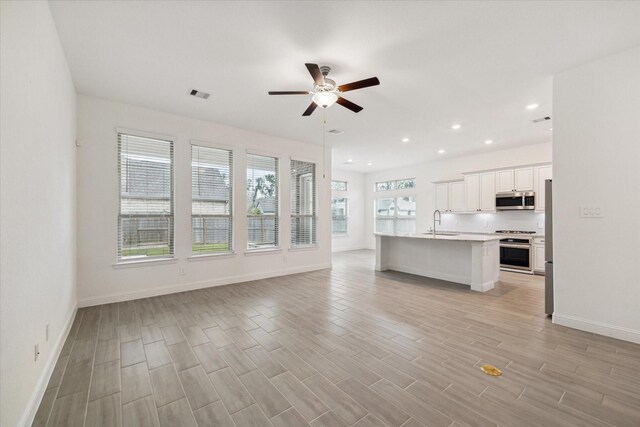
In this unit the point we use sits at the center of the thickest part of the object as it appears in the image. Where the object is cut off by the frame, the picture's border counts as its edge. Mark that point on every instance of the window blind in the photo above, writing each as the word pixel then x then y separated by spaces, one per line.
pixel 145 219
pixel 262 202
pixel 211 200
pixel 303 203
pixel 339 216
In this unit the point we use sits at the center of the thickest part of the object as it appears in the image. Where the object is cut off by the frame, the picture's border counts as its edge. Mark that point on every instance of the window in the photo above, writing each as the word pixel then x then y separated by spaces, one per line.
pixel 403 184
pixel 385 186
pixel 395 215
pixel 211 200
pixel 339 185
pixel 262 202
pixel 145 219
pixel 303 203
pixel 400 184
pixel 339 216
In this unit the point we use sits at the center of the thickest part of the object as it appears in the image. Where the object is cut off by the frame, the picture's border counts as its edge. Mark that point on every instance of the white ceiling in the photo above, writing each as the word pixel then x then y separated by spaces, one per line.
pixel 439 63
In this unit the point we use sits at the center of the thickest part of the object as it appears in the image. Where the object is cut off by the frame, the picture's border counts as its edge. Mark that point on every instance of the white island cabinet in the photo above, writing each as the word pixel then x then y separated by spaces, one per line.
pixel 470 259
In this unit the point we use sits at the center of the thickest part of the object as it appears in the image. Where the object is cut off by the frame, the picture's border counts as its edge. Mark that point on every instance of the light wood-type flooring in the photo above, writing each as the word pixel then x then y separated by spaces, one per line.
pixel 340 347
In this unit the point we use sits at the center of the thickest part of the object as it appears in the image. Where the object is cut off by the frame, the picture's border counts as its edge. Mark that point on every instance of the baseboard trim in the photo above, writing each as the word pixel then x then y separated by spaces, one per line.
pixel 36 398
pixel 599 328
pixel 165 290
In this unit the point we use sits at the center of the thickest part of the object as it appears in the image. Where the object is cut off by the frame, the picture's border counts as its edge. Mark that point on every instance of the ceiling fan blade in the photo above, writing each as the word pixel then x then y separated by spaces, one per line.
pixel 373 81
pixel 350 105
pixel 289 92
pixel 315 72
pixel 310 109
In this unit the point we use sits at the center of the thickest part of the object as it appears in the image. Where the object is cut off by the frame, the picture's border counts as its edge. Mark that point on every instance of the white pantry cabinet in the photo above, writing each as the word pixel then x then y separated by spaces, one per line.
pixel 450 196
pixel 542 173
pixel 520 179
pixel 480 192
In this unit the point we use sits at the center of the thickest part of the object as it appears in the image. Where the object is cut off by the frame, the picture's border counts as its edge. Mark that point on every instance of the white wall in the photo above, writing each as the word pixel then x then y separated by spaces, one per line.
pixel 453 168
pixel 355 195
pixel 596 157
pixel 37 272
pixel 99 281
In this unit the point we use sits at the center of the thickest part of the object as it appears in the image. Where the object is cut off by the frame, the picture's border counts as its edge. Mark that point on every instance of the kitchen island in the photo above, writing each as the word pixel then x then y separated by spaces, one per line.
pixel 470 259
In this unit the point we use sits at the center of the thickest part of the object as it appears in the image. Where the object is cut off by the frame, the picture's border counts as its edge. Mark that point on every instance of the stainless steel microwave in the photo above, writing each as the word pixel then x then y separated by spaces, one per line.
pixel 515 201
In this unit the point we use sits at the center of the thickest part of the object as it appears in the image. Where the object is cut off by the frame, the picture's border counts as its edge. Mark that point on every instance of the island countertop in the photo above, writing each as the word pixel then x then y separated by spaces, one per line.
pixel 462 237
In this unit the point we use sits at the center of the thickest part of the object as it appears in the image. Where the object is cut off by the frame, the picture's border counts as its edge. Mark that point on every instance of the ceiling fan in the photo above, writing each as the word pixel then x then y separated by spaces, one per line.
pixel 326 93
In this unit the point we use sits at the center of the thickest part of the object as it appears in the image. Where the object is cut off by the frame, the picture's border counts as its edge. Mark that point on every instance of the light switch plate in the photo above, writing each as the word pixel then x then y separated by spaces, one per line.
pixel 591 211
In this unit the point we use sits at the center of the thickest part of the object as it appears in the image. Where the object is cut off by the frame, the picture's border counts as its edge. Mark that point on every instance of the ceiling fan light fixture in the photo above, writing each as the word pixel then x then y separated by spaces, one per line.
pixel 325 99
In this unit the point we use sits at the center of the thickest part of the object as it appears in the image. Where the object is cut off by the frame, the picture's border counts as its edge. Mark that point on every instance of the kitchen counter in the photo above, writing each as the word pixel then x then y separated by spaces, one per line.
pixel 470 259
pixel 464 237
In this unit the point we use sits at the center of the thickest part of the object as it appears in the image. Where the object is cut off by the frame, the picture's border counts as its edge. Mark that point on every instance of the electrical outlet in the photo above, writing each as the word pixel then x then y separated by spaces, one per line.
pixel 486 224
pixel 36 352
pixel 591 211
pixel 182 273
pixel 46 329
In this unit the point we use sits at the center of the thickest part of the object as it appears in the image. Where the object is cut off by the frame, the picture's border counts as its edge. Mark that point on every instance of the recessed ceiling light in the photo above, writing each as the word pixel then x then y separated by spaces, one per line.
pixel 456 126
pixel 369 164
pixel 488 141
pixel 550 128
pixel 350 161
pixel 405 139
pixel 532 106
pixel 441 151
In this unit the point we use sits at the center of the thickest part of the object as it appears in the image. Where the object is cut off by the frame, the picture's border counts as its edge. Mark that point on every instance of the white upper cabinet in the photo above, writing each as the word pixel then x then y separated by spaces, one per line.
pixel 488 192
pixel 480 192
pixel 456 196
pixel 505 180
pixel 523 179
pixel 450 196
pixel 472 192
pixel 520 179
pixel 542 173
pixel 442 197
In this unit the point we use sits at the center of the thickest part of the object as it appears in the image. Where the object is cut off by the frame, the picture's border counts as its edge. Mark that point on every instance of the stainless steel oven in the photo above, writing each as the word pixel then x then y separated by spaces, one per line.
pixel 516 254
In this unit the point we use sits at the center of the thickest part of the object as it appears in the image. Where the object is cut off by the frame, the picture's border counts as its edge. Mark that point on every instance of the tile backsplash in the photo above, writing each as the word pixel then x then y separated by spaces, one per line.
pixel 490 222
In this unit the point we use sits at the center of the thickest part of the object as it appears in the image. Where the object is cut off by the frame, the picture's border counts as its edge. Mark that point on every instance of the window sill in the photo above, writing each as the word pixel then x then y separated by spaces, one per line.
pixel 303 248
pixel 262 251
pixel 144 263
pixel 205 257
pixel 339 236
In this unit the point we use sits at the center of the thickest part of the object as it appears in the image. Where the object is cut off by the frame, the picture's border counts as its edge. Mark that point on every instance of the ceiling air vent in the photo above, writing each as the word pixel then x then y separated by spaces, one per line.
pixel 336 131
pixel 541 119
pixel 199 94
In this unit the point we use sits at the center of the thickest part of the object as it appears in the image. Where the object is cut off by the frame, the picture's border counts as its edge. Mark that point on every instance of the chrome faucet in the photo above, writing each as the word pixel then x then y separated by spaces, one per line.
pixel 434 220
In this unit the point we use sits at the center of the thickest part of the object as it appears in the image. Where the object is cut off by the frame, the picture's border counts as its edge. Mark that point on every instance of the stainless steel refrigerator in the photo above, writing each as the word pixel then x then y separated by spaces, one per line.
pixel 548 248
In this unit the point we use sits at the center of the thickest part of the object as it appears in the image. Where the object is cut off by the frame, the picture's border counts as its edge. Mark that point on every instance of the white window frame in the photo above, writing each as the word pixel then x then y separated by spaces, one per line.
pixel 230 215
pixel 295 215
pixel 277 216
pixel 170 257
pixel 394 185
pixel 395 217
pixel 335 182
pixel 344 217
